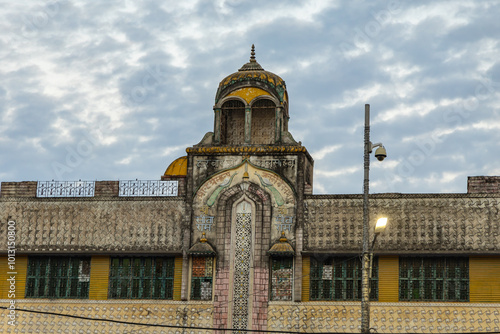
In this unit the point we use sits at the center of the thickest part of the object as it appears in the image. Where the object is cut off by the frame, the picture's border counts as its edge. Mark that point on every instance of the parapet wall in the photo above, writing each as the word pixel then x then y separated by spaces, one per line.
pixel 102 188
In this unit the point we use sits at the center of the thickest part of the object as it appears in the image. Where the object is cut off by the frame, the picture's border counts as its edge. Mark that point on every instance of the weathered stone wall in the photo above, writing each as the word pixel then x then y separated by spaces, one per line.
pixel 455 223
pixel 483 184
pixel 19 189
pixel 90 224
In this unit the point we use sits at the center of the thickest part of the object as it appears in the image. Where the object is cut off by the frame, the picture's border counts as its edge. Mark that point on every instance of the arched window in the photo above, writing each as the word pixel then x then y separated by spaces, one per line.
pixel 233 122
pixel 263 122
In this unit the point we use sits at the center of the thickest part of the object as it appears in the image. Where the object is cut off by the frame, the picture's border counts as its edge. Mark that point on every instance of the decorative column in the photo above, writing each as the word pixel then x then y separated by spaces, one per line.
pixel 217 125
pixel 248 125
pixel 278 124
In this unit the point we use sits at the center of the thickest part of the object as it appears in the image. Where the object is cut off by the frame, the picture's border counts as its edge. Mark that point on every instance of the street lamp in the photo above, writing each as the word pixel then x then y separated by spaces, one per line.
pixel 380 154
pixel 379 228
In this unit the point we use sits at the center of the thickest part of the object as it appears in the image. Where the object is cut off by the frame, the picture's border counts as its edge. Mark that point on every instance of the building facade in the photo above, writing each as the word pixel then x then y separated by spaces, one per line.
pixel 232 237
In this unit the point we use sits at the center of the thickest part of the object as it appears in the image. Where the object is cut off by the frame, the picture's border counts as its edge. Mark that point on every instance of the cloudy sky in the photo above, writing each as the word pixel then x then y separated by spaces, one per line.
pixel 108 90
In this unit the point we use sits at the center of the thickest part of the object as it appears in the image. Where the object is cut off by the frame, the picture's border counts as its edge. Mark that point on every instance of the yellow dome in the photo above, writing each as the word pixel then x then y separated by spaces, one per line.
pixel 252 71
pixel 177 168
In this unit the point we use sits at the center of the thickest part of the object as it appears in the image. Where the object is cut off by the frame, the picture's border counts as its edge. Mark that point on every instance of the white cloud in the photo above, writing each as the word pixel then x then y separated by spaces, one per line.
pixel 337 172
pixel 318 155
pixel 450 14
pixel 403 110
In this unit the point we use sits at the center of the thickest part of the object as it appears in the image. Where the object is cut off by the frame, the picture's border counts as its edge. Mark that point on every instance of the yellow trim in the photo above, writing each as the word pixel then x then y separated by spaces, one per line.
pixel 177 168
pixel 177 278
pixel 99 277
pixel 3 277
pixel 21 268
pixel 484 282
pixel 249 93
pixel 388 279
pixel 306 274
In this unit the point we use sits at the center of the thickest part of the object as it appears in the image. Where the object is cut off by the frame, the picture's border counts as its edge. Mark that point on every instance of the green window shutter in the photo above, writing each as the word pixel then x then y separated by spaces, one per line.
pixel 339 278
pixel 58 277
pixel 434 279
pixel 141 278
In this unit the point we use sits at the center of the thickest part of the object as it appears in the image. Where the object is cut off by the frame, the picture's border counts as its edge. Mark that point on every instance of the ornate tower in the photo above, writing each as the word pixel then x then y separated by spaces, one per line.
pixel 251 108
pixel 245 184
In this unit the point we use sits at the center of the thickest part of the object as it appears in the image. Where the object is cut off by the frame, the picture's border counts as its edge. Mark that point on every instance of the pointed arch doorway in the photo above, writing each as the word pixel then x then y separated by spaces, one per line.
pixel 241 289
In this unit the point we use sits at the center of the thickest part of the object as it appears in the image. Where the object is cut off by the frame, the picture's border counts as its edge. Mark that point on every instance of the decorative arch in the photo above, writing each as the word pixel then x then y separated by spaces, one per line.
pixel 265 97
pixel 230 98
pixel 258 285
pixel 215 209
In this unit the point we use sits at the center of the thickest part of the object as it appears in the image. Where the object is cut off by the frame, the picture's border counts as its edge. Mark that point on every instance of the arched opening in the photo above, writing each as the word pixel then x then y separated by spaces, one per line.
pixel 235 208
pixel 242 268
pixel 263 122
pixel 232 122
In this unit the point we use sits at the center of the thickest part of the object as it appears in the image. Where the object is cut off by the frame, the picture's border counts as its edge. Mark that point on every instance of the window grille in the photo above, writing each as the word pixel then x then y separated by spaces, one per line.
pixel 230 110
pixel 202 278
pixel 281 278
pixel 58 277
pixel 434 279
pixel 141 278
pixel 263 122
pixel 264 104
pixel 339 278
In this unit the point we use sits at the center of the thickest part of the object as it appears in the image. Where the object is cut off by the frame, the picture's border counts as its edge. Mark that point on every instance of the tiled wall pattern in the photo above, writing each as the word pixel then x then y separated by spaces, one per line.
pixel 425 223
pixel 190 314
pixel 311 317
pixel 385 317
pixel 94 224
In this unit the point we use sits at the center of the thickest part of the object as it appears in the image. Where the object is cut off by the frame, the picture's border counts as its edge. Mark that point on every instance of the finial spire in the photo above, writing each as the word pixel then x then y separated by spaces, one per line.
pixel 252 65
pixel 252 54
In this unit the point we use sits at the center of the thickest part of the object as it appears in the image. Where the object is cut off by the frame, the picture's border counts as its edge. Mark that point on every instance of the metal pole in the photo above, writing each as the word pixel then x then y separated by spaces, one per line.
pixel 365 281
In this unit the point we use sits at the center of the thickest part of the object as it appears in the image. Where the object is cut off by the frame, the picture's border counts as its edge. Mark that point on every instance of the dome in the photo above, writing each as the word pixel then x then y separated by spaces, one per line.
pixel 282 247
pixel 177 168
pixel 252 74
pixel 202 248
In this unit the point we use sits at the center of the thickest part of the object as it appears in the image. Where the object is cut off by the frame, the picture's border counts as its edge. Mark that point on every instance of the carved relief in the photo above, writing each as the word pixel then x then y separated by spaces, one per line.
pixel 281 194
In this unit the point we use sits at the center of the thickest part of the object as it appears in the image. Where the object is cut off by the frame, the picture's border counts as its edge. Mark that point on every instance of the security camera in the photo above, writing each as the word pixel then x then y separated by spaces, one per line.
pixel 380 153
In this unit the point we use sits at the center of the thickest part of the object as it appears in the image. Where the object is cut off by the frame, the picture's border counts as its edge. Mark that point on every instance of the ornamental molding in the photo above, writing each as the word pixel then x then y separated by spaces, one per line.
pixel 246 149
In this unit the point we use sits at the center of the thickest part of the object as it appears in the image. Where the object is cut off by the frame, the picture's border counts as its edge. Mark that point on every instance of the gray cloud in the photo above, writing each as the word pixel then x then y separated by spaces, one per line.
pixel 136 84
